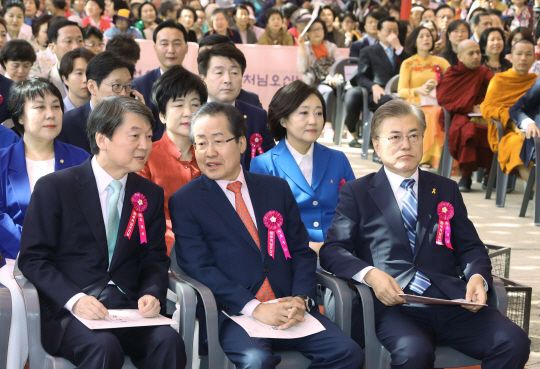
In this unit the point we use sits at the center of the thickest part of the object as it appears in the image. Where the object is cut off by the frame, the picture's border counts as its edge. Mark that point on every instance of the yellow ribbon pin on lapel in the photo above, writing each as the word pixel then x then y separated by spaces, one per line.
pixel 434 192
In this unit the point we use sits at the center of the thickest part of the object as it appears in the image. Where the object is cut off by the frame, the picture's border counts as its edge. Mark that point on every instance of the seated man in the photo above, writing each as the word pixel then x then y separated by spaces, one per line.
pixel 372 35
pixel 461 91
pixel 389 221
pixel 503 92
pixel 220 222
pixel 73 247
pixel 221 68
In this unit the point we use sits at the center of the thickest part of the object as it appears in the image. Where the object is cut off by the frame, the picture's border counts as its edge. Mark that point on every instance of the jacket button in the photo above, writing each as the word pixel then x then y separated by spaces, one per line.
pixel 316 224
pixel 248 287
pixel 315 203
pixel 266 270
pixel 415 265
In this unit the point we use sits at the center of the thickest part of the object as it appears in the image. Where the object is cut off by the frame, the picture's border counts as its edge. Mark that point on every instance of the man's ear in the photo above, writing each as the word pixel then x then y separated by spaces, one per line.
pixel 101 141
pixel 92 87
pixel 243 144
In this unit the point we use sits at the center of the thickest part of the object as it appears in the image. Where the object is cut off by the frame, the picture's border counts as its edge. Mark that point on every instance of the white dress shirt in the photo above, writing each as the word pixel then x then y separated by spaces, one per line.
pixel 305 162
pixel 525 123
pixel 37 169
pixel 103 180
pixel 68 105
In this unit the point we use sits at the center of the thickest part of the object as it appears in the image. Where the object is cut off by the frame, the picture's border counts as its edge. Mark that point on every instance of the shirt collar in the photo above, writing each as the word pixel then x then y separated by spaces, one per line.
pixel 372 40
pixel 104 179
pixel 296 155
pixel 223 183
pixel 396 180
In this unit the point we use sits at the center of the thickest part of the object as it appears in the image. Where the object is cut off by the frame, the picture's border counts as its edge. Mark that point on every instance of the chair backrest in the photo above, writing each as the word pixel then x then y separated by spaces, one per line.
pixel 346 67
pixel 392 85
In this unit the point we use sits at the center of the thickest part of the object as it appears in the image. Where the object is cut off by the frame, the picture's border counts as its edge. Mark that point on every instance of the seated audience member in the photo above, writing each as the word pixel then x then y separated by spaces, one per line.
pixel 78 8
pixel 348 28
pixel 395 11
pixel 210 217
pixel 221 68
pixel 315 57
pixel 492 47
pixel 377 219
pixel 377 65
pixel 93 39
pixel 39 31
pixel 332 34
pixel 519 34
pixel 503 92
pixel 496 20
pixel 220 25
pixel 439 41
pixel 7 137
pixel 521 14
pixel 495 4
pixel 287 11
pixel 73 73
pixel 31 11
pixel 134 6
pixel 416 16
pixel 177 94
pixel 95 18
pixel 276 31
pixel 63 253
pixel 458 30
pixel 199 27
pixel 123 24
pixel 371 36
pixel 167 9
pixel 106 74
pixel 296 118
pixel 148 22
pixel 113 6
pixel 35 155
pixel 126 47
pixel 427 4
pixel 299 21
pixel 171 47
pixel 58 8
pixel 241 25
pixel 428 14
pixel 479 23
pixel 461 92
pixel 14 17
pixel 187 16
pixel 444 14
pixel 17 57
pixel 415 85
pixel 5 86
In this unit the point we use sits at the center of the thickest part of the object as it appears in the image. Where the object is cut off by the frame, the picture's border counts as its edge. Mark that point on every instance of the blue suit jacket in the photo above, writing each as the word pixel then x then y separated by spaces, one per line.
pixel 249 97
pixel 7 137
pixel 214 246
pixel 144 84
pixel 318 201
pixel 74 127
pixel 369 224
pixel 527 106
pixel 15 189
pixel 357 46
pixel 5 85
pixel 256 120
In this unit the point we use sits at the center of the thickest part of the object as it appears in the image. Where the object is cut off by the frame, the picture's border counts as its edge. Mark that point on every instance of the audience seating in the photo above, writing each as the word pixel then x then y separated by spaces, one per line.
pixel 5 323
pixel 534 174
pixel 502 178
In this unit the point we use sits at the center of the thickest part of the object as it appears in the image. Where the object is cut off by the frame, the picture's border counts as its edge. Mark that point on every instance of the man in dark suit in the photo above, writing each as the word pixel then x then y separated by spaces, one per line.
pixel 107 74
pixel 5 85
pixel 74 250
pixel 222 241
pixel 170 45
pixel 390 220
pixel 221 68
pixel 371 37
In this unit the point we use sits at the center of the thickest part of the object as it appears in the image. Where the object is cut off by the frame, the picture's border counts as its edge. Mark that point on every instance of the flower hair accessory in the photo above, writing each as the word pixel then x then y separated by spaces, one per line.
pixel 273 221
pixel 139 202
pixel 445 210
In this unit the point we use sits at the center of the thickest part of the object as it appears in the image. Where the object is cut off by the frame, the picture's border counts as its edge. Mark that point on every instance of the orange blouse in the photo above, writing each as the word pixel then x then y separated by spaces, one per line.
pixel 320 51
pixel 166 168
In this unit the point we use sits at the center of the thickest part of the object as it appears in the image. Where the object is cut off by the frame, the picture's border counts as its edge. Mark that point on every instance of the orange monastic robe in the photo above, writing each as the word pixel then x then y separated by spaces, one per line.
pixel 503 92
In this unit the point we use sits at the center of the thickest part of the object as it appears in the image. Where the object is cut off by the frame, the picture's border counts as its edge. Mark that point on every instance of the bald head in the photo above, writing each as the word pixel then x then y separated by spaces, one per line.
pixel 523 56
pixel 469 54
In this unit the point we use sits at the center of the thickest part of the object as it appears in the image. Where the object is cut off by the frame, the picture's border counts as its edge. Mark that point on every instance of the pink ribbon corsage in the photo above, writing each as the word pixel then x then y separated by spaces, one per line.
pixel 341 183
pixel 445 210
pixel 138 200
pixel 273 221
pixel 256 141
pixel 438 74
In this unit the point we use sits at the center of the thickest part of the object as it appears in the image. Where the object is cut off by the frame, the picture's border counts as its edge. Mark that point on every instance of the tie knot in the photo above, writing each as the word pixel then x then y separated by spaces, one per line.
pixel 408 183
pixel 116 186
pixel 235 187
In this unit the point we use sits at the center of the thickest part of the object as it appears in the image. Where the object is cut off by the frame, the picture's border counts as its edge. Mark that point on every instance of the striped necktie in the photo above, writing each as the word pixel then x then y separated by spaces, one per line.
pixel 420 282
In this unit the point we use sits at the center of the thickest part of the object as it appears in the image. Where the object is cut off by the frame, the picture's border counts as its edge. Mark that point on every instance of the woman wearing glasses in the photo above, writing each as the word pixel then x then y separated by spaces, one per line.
pixel 177 94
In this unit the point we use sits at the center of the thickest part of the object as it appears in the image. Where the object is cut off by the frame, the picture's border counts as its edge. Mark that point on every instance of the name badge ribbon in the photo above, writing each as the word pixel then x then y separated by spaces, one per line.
pixel 445 210
pixel 256 141
pixel 138 200
pixel 273 221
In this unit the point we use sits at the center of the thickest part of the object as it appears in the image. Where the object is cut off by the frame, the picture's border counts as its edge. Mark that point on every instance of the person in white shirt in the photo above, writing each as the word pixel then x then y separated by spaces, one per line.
pixel 73 73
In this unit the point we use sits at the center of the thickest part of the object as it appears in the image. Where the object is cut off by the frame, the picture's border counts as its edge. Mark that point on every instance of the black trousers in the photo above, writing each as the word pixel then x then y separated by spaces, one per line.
pixel 354 105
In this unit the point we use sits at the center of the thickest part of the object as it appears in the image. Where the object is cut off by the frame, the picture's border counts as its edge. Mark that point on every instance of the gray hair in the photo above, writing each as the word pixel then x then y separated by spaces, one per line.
pixel 109 114
pixel 396 108
pixel 237 123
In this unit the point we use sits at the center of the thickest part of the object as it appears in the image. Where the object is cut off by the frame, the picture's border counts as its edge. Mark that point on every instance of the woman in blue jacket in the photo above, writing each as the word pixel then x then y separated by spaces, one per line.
pixel 296 117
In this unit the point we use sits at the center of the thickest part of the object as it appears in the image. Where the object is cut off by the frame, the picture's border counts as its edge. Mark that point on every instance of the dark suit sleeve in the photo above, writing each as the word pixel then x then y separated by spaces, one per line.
pixel 364 76
pixel 342 237
pixel 268 142
pixel 525 104
pixel 354 50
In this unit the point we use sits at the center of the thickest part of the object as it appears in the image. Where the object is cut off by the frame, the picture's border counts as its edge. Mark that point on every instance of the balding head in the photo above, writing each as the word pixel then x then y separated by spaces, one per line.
pixel 522 56
pixel 469 54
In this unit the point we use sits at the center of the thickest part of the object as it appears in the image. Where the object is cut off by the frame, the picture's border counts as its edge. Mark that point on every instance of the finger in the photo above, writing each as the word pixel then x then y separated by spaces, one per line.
pixel 102 309
pixel 94 312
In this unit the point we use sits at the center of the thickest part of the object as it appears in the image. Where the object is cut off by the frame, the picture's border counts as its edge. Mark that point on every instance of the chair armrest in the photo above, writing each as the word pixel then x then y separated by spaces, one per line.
pixel 5 324
pixel 499 297
pixel 342 298
pixel 365 94
pixel 186 320
pixel 447 120
pixel 389 86
pixel 500 129
pixel 537 143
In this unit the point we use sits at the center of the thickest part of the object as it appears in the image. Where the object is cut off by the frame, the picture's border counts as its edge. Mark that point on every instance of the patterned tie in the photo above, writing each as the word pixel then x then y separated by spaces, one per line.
pixel 265 293
pixel 113 218
pixel 420 282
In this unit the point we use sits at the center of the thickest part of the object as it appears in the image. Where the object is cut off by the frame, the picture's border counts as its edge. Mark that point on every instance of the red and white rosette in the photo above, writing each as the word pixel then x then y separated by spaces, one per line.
pixel 256 141
pixel 138 200
pixel 445 210
pixel 273 221
pixel 341 183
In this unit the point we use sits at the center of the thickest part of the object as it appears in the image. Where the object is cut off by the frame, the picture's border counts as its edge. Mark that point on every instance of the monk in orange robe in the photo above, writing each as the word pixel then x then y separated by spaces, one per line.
pixel 503 92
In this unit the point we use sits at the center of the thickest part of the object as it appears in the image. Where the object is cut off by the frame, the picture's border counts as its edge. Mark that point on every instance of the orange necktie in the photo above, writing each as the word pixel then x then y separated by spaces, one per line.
pixel 265 293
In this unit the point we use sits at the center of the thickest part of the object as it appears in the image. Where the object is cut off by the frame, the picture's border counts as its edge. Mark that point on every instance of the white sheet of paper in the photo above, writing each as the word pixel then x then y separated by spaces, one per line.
pixel 313 17
pixel 474 115
pixel 10 265
pixel 413 299
pixel 125 318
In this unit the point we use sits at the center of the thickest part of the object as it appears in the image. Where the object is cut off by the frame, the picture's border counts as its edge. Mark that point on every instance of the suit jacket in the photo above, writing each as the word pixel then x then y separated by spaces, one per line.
pixel 256 120
pixel 233 35
pixel 214 246
pixel 357 46
pixel 251 37
pixel 54 77
pixel 369 223
pixel 339 37
pixel 317 201
pixel 527 106
pixel 5 85
pixel 64 251
pixel 249 97
pixel 74 127
pixel 374 67
pixel 7 137
pixel 15 189
pixel 144 84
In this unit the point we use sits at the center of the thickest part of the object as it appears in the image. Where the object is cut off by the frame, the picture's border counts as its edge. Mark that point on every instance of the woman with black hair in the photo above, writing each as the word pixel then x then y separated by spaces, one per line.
pixel 17 57
pixel 149 20
pixel 458 30
pixel 14 16
pixel 95 10
pixel 492 48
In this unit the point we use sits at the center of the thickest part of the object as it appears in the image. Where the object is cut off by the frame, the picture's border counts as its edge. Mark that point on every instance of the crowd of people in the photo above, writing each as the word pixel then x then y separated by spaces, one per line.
pixel 102 174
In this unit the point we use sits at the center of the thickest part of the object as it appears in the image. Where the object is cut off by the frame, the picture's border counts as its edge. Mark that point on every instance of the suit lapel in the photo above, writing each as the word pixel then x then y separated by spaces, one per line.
pixel 284 159
pixel 427 203
pixel 261 205
pixel 321 157
pixel 384 56
pixel 18 176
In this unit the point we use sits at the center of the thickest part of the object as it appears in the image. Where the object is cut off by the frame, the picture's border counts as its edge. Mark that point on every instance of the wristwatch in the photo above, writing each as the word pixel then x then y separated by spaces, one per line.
pixel 307 300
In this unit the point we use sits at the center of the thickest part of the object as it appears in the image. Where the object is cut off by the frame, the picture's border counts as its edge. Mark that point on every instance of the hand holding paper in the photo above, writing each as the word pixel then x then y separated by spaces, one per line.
pixel 475 293
pixel 385 287
pixel 88 307
pixel 285 313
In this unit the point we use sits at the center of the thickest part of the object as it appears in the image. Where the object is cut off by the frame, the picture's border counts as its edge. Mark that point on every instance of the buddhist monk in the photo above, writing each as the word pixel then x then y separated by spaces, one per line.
pixel 461 91
pixel 503 92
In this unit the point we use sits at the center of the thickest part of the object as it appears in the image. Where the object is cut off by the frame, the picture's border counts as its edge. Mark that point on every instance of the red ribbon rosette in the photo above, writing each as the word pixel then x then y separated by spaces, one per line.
pixel 445 210
pixel 138 200
pixel 438 75
pixel 256 141
pixel 341 183
pixel 273 221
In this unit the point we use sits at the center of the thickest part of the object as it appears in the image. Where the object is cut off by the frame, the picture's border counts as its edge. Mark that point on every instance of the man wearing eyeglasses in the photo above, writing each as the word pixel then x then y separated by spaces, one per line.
pixel 107 74
pixel 389 220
